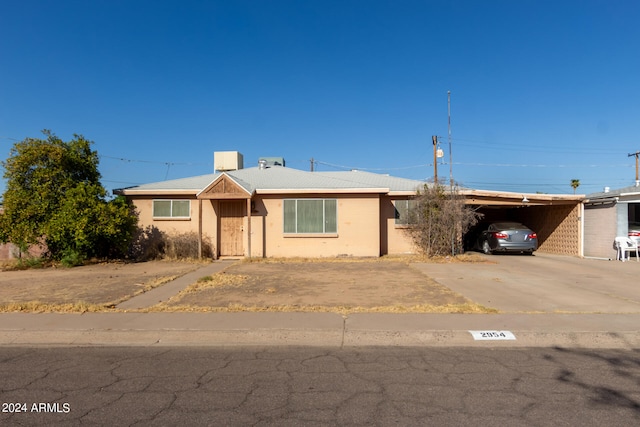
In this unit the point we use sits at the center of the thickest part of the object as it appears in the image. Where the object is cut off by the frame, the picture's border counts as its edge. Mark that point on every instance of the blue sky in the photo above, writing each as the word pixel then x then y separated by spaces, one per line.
pixel 542 92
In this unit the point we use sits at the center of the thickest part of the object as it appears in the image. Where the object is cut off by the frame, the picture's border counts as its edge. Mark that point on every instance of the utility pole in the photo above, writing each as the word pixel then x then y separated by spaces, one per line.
pixel 637 153
pixel 434 139
pixel 312 161
pixel 449 126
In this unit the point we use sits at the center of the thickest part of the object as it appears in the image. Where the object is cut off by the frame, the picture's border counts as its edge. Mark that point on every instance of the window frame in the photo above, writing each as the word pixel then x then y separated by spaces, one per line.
pixel 171 215
pixel 296 232
pixel 409 204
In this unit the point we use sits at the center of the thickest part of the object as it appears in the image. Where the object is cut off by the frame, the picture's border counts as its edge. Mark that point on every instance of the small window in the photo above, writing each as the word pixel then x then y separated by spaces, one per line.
pixel 310 216
pixel 403 211
pixel 171 208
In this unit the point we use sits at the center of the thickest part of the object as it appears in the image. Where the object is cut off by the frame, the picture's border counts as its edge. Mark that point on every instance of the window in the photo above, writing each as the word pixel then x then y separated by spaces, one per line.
pixel 403 209
pixel 310 216
pixel 171 208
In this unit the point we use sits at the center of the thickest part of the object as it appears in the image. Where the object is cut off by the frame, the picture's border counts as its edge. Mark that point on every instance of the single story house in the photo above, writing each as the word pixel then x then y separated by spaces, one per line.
pixel 608 214
pixel 275 211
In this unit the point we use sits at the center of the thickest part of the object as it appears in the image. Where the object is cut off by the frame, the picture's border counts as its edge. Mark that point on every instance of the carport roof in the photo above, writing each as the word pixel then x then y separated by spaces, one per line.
pixel 505 198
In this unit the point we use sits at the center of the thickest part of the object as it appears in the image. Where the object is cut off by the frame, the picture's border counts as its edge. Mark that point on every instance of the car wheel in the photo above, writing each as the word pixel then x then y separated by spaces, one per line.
pixel 486 248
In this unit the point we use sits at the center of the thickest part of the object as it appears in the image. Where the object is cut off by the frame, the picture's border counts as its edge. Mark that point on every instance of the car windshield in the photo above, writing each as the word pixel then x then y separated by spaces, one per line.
pixel 508 226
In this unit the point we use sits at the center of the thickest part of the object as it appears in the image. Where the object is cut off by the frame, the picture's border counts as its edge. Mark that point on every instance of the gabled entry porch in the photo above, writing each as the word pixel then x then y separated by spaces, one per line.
pixel 231 203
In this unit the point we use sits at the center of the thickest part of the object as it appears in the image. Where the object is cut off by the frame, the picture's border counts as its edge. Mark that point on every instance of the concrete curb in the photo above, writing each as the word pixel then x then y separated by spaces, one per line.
pixel 317 329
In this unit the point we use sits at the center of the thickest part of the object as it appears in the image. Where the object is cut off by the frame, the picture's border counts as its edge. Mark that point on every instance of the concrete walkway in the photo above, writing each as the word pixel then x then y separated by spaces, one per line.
pixel 165 292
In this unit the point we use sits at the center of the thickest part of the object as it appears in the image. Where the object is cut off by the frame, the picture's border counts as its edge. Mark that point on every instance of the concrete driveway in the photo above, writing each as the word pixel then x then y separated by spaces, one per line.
pixel 544 283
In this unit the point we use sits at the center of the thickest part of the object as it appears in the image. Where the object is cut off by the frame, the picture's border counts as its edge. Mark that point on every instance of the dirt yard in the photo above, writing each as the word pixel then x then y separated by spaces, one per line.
pixel 104 284
pixel 353 285
pixel 321 286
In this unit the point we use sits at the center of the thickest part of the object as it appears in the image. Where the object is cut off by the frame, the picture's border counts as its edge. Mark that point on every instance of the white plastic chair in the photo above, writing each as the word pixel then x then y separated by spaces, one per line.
pixel 624 247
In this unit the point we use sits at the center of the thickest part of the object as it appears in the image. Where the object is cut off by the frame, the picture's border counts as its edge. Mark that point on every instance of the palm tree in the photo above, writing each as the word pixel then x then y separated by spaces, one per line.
pixel 575 183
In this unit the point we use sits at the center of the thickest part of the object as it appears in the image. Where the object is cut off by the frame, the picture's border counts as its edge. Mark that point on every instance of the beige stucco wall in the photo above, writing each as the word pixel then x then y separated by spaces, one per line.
pixel 358 227
pixel 358 219
pixel 144 209
pixel 394 238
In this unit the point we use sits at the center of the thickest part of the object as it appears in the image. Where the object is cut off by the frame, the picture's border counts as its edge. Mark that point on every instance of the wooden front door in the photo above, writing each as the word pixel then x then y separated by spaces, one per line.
pixel 231 218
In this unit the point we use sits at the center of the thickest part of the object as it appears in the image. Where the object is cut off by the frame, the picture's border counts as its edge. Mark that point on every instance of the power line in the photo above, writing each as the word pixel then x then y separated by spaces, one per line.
pixel 123 159
pixel 522 165
pixel 370 169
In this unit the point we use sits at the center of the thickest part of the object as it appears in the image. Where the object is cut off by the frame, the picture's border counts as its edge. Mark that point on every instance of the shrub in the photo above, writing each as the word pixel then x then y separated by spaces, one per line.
pixel 151 243
pixel 71 258
pixel 439 220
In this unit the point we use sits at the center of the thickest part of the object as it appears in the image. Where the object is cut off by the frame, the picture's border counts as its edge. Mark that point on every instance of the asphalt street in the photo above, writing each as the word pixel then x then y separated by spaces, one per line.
pixel 316 386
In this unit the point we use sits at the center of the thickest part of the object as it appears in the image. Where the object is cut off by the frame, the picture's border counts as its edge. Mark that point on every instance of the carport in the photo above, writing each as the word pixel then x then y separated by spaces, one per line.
pixel 556 218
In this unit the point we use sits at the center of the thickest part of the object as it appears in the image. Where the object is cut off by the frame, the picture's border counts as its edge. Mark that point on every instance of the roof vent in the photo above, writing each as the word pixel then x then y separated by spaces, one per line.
pixel 272 161
pixel 262 164
pixel 606 189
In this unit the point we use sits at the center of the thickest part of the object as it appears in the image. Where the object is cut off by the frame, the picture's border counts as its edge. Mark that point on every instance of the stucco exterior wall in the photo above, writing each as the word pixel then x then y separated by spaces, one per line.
pixel 144 209
pixel 358 219
pixel 394 238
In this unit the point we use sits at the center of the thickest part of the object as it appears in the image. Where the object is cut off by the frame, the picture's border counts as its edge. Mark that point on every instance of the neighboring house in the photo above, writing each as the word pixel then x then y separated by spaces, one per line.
pixel 10 251
pixel 607 214
pixel 276 211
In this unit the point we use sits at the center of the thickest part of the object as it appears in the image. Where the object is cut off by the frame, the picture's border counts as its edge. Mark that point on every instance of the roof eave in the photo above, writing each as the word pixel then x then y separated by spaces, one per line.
pixel 322 191
pixel 160 192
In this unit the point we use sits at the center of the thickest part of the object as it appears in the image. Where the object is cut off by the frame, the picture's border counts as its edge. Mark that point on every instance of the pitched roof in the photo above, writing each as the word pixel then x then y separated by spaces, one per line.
pixel 282 180
pixel 625 191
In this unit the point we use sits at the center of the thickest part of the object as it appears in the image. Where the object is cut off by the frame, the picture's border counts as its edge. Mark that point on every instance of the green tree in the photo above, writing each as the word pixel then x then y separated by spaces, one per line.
pixel 54 196
pixel 439 219
pixel 575 183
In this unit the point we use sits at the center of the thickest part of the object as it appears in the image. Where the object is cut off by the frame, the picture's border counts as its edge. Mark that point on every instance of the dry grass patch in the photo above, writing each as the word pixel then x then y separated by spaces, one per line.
pixel 367 285
pixel 468 308
pixel 218 280
pixel 40 307
pixel 467 257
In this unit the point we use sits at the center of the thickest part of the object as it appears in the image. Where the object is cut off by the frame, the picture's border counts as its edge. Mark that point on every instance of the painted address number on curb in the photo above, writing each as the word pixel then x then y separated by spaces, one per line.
pixel 492 335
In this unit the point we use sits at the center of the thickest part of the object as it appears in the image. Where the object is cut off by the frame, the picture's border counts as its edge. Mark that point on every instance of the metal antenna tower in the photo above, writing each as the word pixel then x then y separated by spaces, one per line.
pixel 449 130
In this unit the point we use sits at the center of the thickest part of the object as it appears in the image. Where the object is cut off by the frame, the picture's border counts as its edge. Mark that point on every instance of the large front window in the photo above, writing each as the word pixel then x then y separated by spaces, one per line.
pixel 171 209
pixel 310 216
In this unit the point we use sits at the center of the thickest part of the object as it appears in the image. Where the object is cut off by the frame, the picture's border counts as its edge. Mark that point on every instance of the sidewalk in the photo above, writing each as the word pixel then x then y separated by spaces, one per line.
pixel 165 292
pixel 318 329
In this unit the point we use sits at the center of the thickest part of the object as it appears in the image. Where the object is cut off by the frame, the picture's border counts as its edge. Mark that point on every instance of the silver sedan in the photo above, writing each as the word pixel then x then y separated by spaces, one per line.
pixel 508 237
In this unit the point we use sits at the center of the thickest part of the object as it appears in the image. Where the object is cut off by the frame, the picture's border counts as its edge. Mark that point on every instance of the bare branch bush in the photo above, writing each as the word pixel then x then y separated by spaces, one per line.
pixel 150 243
pixel 438 220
